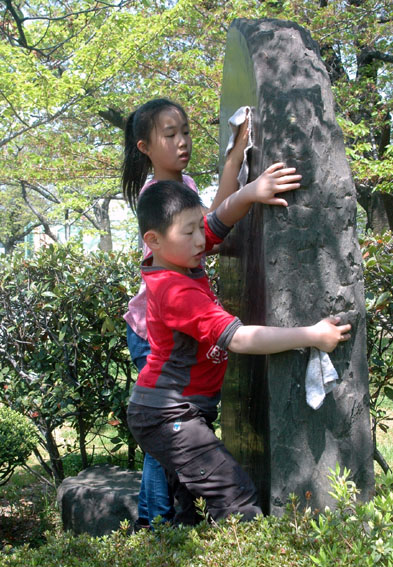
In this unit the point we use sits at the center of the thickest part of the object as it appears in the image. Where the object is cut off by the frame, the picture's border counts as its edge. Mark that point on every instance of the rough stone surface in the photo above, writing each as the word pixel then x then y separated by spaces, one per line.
pixel 98 499
pixel 291 267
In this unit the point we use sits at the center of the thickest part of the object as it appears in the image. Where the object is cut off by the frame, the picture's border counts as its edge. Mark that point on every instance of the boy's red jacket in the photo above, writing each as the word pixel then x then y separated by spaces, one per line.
pixel 188 332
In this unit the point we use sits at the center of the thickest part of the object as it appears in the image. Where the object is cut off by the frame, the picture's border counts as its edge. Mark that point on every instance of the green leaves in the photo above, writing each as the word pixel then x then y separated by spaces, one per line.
pixel 378 272
pixel 65 68
pixel 63 343
pixel 18 438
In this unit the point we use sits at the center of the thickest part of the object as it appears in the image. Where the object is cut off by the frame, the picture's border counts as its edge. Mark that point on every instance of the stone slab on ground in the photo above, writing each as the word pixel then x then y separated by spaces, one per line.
pixel 98 499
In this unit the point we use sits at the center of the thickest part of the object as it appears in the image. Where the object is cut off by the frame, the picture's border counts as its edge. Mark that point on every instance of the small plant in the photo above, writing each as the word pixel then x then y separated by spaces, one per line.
pixel 354 533
pixel 378 274
pixel 18 438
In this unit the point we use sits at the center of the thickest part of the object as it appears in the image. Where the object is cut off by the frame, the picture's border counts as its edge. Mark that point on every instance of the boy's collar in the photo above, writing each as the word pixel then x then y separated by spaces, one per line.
pixel 147 267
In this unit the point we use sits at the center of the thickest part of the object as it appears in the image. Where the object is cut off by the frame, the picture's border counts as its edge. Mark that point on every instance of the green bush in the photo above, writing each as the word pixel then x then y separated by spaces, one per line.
pixel 355 534
pixel 18 438
pixel 63 350
pixel 378 273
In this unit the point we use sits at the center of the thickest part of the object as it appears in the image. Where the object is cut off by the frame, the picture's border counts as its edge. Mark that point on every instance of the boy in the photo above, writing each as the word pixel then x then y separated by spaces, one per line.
pixel 174 401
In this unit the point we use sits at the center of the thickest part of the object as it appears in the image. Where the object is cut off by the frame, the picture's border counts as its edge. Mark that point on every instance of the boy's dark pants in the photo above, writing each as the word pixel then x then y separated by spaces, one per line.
pixel 198 465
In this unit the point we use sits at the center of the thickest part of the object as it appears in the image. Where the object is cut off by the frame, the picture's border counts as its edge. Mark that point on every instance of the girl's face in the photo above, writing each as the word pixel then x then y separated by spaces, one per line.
pixel 169 147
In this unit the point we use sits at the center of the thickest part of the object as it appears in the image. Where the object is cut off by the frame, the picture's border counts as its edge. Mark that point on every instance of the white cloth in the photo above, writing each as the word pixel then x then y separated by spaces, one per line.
pixel 235 121
pixel 321 378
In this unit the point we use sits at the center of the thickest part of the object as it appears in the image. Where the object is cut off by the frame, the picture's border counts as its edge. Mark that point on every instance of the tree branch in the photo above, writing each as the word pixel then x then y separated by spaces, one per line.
pixel 379 458
pixel 368 56
pixel 39 122
pixel 18 19
pixel 114 117
pixel 43 192
pixel 40 216
pixel 12 240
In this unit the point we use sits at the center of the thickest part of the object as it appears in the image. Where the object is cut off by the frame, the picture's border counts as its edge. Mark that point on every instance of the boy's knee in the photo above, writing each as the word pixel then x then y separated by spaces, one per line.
pixel 220 480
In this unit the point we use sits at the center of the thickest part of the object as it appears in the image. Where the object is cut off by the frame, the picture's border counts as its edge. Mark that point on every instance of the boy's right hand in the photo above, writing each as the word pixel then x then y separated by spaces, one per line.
pixel 328 333
pixel 275 179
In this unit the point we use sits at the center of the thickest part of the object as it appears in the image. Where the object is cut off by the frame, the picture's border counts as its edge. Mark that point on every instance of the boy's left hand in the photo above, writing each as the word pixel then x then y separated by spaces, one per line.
pixel 275 179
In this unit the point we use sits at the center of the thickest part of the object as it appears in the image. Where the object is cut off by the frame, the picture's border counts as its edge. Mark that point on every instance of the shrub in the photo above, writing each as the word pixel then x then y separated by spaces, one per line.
pixel 355 534
pixel 378 273
pixel 63 346
pixel 18 438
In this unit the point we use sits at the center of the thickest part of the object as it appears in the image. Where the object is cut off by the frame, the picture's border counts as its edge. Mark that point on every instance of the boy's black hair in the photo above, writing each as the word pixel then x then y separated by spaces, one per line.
pixel 139 125
pixel 160 202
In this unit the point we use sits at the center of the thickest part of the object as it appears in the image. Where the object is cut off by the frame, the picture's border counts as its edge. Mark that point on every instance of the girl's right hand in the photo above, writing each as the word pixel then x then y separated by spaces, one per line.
pixel 241 141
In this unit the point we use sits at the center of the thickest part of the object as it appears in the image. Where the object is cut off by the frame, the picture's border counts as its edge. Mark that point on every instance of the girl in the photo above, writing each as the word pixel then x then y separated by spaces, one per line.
pixel 158 140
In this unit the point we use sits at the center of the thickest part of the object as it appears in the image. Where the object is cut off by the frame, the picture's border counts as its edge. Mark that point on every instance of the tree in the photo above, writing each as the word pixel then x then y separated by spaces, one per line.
pixel 16 222
pixel 72 71
pixel 355 41
pixel 51 147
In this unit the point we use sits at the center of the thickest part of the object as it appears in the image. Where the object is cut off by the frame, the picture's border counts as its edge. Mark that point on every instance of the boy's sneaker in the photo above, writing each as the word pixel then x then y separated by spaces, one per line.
pixel 141 524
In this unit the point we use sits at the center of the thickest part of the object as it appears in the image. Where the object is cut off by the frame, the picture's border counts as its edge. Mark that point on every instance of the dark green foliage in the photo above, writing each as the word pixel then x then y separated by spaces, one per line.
pixel 378 272
pixel 63 351
pixel 18 438
pixel 355 534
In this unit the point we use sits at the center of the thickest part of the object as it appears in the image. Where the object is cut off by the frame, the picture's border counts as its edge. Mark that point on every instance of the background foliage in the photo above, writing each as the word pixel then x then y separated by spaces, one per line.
pixel 18 438
pixel 72 71
pixel 378 270
pixel 63 352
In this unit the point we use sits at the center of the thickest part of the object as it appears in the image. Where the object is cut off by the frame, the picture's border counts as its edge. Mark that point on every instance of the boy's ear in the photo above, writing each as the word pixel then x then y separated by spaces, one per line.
pixel 142 146
pixel 152 239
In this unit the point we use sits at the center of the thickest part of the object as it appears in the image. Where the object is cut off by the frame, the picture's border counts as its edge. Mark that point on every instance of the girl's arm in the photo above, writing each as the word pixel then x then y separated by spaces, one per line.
pixel 228 182
pixel 254 339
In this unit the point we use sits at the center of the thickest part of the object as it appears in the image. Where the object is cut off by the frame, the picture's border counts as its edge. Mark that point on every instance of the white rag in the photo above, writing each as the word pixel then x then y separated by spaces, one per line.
pixel 321 378
pixel 235 121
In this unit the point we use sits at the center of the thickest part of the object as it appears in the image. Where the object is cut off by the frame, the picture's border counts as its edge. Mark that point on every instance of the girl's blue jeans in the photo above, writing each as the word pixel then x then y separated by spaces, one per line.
pixel 155 498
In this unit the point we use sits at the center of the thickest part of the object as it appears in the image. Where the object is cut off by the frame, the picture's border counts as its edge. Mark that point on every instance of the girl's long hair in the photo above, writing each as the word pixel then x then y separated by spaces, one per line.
pixel 137 165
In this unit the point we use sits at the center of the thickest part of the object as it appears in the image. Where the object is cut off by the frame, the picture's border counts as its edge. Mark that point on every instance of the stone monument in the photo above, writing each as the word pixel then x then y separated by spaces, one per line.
pixel 291 267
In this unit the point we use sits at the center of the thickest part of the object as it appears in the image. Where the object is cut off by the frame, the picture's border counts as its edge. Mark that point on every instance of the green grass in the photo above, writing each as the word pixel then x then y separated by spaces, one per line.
pixel 385 438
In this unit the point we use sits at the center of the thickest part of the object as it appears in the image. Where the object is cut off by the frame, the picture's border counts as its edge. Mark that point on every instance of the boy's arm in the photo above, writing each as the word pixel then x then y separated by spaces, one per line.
pixel 253 339
pixel 276 179
pixel 228 182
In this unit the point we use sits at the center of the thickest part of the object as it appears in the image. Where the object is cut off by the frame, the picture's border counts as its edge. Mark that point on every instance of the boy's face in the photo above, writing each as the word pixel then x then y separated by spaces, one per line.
pixel 183 244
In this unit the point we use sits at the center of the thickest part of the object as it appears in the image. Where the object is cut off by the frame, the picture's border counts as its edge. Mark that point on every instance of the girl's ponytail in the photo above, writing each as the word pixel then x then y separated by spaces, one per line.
pixel 136 165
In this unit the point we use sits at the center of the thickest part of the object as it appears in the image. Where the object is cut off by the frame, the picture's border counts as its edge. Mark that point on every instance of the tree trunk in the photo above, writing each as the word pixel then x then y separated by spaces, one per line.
pixel 378 207
pixel 82 440
pixel 55 458
pixel 101 211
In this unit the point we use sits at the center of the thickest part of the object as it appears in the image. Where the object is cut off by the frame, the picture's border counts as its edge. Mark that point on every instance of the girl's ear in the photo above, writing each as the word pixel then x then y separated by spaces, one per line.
pixel 142 146
pixel 152 239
